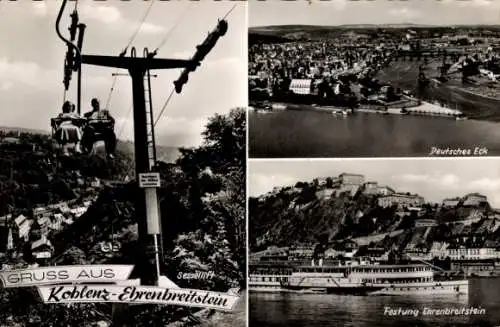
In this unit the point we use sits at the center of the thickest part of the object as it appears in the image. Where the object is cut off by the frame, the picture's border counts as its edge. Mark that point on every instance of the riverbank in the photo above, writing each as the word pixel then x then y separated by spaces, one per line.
pixel 408 108
pixel 473 100
pixel 474 105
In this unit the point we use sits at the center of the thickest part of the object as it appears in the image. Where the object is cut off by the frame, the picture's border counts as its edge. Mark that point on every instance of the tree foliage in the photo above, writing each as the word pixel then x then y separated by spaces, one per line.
pixel 202 205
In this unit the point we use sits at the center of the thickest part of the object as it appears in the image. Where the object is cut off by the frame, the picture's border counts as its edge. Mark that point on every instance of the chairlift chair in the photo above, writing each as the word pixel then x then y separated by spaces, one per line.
pixel 99 125
pixel 96 129
pixel 55 124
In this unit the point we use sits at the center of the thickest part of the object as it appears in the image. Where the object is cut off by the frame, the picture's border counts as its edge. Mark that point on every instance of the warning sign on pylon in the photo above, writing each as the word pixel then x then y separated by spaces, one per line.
pixel 149 180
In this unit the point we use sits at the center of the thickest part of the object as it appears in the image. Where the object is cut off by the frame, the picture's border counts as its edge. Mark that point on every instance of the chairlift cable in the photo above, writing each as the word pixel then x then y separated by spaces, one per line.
pixel 177 23
pixel 122 128
pixel 140 25
pixel 111 92
pixel 132 38
pixel 163 108
pixel 171 93
pixel 173 90
pixel 229 12
pixel 123 124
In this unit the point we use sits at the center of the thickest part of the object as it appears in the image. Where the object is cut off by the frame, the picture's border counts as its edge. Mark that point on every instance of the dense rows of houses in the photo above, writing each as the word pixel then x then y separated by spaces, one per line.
pixel 480 250
pixel 40 226
pixel 469 246
pixel 319 67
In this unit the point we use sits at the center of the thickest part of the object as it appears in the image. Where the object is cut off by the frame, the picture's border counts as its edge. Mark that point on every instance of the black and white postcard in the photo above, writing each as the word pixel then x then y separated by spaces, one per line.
pixel 374 78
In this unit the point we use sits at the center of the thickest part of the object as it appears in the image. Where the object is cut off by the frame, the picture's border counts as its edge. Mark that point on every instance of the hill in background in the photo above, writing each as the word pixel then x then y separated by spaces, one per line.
pixel 284 33
pixel 7 129
pixel 164 153
pixel 168 154
pixel 303 214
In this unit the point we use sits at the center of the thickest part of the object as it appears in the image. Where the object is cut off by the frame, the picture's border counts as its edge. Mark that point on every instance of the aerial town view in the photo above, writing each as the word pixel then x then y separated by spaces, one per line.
pixel 373 85
pixel 374 243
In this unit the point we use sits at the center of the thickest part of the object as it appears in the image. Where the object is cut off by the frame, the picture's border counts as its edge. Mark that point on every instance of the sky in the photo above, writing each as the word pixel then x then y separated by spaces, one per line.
pixel 32 60
pixel 434 179
pixel 339 12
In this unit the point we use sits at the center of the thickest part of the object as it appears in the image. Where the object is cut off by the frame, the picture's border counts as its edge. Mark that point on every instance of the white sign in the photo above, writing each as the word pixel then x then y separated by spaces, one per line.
pixel 84 284
pixel 149 180
pixel 65 274
pixel 137 295
pixel 43 255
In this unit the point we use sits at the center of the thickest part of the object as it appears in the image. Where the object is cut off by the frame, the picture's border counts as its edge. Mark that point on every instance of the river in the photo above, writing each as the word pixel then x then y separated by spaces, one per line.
pixel 319 310
pixel 296 134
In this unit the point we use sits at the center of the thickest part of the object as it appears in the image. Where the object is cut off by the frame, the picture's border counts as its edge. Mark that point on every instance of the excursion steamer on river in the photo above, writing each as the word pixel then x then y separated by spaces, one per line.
pixel 353 278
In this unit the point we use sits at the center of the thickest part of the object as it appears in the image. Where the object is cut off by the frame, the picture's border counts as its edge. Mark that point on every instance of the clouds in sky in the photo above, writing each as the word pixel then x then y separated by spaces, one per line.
pixel 32 58
pixel 434 179
pixel 404 14
pixel 339 12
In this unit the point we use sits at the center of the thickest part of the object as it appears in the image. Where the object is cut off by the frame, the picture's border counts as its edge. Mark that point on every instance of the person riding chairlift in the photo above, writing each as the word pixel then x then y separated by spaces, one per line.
pixel 100 127
pixel 68 131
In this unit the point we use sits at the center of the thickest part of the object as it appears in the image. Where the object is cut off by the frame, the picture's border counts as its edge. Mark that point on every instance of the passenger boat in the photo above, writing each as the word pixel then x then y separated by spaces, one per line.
pixel 268 276
pixel 372 279
pixel 267 283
